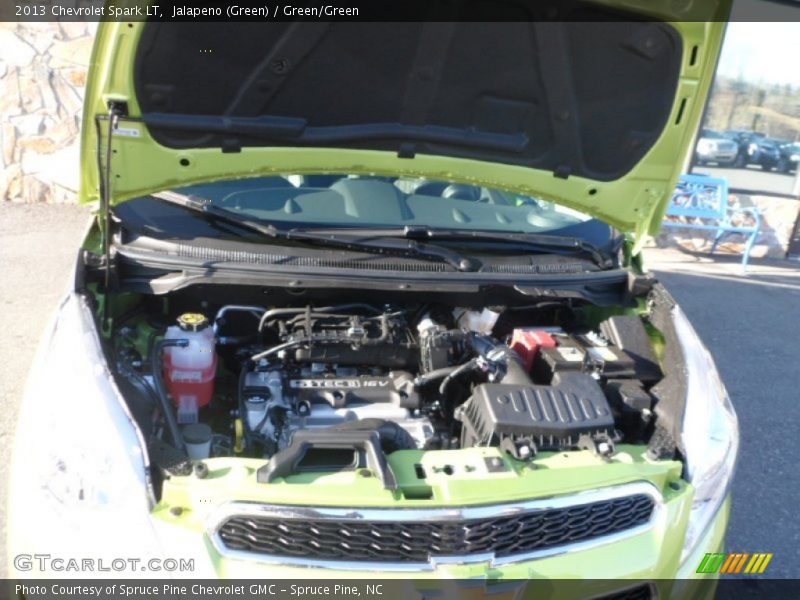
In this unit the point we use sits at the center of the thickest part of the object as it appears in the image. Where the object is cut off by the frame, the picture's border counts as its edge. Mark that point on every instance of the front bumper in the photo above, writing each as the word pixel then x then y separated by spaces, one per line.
pixel 715 155
pixel 648 553
pixel 720 156
pixel 183 521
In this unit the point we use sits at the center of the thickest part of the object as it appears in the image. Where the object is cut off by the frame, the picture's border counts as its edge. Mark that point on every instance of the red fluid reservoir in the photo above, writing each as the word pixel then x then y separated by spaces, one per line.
pixel 527 341
pixel 189 372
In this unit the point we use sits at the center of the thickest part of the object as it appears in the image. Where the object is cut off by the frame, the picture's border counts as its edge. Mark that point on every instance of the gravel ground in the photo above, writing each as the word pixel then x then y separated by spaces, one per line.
pixel 751 324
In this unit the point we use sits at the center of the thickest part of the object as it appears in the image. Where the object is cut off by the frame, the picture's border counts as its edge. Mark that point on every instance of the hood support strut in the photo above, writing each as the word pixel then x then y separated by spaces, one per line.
pixel 116 109
pixel 106 198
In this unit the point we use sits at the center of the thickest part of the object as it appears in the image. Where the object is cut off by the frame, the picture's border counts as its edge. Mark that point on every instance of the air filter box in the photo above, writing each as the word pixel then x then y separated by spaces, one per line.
pixel 549 417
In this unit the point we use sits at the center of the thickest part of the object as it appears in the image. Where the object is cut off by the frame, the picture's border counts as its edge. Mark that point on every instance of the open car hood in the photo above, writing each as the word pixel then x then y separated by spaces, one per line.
pixel 596 112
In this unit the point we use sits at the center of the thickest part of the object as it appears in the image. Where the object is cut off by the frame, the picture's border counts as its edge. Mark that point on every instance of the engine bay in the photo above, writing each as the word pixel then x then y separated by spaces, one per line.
pixel 325 386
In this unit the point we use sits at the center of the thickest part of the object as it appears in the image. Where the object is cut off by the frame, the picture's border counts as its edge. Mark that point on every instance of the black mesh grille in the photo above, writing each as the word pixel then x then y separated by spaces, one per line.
pixel 417 541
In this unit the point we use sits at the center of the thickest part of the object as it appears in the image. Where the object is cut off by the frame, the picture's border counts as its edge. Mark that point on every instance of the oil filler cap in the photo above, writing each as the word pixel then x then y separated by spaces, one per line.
pixel 192 322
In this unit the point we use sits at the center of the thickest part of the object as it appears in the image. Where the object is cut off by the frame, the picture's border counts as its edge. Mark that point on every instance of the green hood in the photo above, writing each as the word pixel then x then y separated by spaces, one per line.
pixel 597 112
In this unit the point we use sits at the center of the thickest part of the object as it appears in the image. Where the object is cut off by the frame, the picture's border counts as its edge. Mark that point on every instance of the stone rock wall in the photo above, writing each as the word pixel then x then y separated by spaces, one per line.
pixel 42 76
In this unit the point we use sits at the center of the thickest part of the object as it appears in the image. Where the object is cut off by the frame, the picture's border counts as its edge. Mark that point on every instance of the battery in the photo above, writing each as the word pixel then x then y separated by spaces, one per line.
pixel 571 355
pixel 527 342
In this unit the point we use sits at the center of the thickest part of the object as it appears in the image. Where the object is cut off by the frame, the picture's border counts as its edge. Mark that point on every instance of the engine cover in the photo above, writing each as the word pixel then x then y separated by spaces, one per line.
pixel 391 354
pixel 352 340
pixel 338 392
pixel 312 400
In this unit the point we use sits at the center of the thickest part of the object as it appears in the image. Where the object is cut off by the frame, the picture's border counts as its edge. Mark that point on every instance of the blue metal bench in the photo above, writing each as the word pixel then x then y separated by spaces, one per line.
pixel 701 202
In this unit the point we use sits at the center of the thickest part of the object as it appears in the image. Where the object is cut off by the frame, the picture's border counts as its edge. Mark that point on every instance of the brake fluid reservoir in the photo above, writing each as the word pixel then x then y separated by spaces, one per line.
pixel 189 372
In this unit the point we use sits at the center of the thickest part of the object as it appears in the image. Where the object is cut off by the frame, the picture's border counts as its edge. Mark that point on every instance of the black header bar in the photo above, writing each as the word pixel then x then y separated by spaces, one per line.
pixel 382 11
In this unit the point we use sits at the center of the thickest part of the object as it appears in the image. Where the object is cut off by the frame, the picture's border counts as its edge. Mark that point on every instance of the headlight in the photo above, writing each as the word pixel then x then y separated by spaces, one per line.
pixel 79 484
pixel 795 157
pixel 710 433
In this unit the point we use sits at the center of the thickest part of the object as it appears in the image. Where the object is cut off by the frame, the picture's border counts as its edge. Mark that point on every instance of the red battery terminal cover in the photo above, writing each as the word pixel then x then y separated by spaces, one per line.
pixel 526 342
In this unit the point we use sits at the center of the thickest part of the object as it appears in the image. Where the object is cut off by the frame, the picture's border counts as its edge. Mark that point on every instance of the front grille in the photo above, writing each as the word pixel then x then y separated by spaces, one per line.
pixel 406 541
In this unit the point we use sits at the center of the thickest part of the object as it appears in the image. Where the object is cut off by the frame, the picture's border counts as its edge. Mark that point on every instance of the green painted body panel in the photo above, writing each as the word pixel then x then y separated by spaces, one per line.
pixel 549 474
pixel 653 554
pixel 634 203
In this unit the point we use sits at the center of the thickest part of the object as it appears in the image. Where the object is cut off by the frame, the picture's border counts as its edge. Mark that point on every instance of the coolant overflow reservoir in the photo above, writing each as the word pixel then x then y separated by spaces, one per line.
pixel 189 371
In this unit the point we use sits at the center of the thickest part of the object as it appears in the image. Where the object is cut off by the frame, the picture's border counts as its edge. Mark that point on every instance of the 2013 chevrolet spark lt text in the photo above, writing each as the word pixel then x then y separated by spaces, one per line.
pixel 366 300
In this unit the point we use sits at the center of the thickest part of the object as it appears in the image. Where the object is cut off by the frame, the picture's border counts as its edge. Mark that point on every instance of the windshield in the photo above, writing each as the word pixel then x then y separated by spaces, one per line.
pixel 790 146
pixel 714 135
pixel 316 201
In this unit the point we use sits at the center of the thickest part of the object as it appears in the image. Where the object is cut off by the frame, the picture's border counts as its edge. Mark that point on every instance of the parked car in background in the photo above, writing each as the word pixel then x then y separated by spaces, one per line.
pixel 754 149
pixel 789 155
pixel 713 147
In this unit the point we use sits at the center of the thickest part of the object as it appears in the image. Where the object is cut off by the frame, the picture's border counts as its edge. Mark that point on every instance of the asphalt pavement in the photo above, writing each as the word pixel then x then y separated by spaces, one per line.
pixel 38 248
pixel 751 324
pixel 753 178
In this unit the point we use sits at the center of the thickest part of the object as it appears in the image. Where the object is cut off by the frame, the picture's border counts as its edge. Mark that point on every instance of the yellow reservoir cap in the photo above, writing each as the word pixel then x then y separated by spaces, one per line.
pixel 192 321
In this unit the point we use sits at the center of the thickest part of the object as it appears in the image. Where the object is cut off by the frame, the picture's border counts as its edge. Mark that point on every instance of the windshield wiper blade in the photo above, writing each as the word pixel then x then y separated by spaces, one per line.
pixel 538 241
pixel 390 246
pixel 404 242
pixel 204 206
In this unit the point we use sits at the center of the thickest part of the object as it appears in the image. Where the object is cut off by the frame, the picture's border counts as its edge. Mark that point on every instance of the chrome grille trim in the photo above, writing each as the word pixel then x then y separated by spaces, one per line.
pixel 434 514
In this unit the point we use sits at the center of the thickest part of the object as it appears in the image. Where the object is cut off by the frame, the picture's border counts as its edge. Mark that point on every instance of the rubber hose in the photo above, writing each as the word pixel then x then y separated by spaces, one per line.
pixel 392 436
pixel 467 366
pixel 161 393
pixel 248 439
pixel 431 376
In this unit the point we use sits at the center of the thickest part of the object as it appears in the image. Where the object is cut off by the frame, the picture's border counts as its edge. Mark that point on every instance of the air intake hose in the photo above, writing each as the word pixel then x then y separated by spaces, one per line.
pixel 505 358
pixel 392 436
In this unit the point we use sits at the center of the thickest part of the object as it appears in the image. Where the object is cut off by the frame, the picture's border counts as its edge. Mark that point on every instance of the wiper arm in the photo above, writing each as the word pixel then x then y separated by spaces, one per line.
pixel 539 241
pixel 204 206
pixel 390 246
